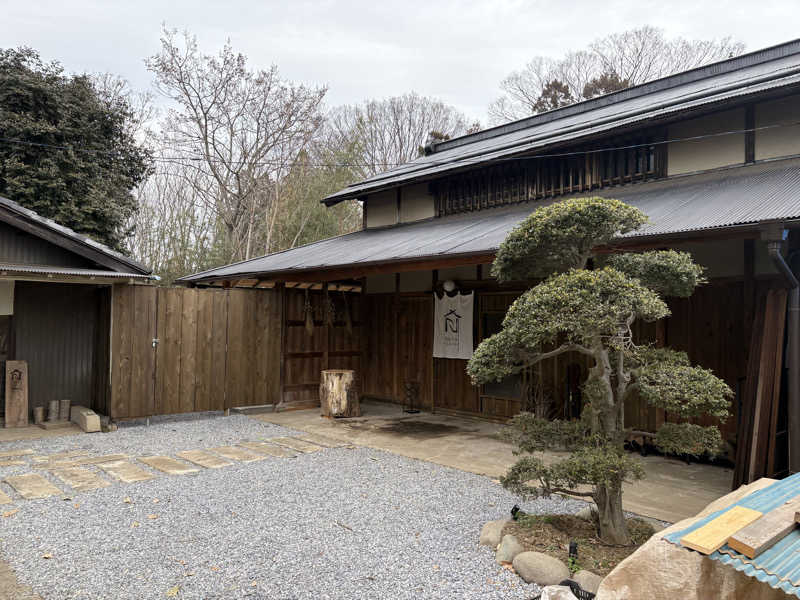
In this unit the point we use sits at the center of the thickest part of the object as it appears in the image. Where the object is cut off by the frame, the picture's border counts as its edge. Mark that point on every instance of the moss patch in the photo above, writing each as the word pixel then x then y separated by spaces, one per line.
pixel 551 534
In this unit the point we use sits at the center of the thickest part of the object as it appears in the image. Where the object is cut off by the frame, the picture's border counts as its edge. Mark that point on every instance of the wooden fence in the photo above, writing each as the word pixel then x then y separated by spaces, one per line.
pixel 177 350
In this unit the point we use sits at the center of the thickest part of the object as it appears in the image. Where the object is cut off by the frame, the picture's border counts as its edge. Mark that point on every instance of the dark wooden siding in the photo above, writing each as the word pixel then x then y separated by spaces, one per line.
pixel 19 247
pixel 58 329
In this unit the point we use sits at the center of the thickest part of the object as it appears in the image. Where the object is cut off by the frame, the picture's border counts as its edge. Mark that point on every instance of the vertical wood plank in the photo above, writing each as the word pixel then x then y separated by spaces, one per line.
pixel 121 344
pixel 188 350
pixel 204 350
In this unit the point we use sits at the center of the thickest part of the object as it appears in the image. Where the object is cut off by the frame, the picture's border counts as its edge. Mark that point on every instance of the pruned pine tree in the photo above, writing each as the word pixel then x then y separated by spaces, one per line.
pixel 591 311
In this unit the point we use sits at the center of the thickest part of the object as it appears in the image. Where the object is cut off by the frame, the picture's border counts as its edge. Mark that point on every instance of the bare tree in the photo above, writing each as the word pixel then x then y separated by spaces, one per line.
pixel 390 132
pixel 241 128
pixel 614 62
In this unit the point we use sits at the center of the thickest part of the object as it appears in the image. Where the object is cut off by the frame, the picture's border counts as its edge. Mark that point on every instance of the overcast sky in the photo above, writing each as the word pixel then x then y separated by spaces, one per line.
pixel 457 51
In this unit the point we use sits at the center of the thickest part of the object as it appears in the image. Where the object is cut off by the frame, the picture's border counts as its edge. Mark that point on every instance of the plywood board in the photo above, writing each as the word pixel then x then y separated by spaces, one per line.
pixel 765 532
pixel 16 414
pixel 713 535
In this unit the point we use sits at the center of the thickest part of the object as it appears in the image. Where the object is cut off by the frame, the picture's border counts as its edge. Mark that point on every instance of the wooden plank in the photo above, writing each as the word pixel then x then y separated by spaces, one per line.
pixel 188 349
pixel 203 351
pixel 766 531
pixel 142 329
pixel 713 535
pixel 121 316
pixel 777 371
pixel 219 351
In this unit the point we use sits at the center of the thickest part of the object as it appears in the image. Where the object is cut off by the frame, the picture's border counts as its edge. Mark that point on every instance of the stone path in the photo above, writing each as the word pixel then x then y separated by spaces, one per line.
pixel 79 472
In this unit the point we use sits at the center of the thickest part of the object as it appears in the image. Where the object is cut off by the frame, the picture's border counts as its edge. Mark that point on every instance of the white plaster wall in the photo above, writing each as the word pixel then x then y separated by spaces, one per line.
pixel 380 284
pixel 778 141
pixel 416 203
pixel 382 209
pixel 725 258
pixel 709 153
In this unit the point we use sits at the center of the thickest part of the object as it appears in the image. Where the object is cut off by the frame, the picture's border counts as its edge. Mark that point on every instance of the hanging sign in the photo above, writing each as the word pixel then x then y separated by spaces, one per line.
pixel 452 335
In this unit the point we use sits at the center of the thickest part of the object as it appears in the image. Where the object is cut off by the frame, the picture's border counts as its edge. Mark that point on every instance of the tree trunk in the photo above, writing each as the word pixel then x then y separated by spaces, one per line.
pixel 613 529
pixel 338 394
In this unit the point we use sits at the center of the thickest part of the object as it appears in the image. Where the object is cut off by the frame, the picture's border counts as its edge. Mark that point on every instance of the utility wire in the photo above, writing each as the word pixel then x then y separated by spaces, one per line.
pixel 433 163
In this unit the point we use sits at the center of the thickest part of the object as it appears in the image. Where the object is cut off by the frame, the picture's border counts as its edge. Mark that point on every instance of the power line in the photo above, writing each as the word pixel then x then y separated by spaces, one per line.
pixel 433 163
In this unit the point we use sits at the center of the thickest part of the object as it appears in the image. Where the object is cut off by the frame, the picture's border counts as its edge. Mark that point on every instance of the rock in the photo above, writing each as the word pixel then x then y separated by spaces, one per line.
pixel 557 592
pixel 587 580
pixel 659 570
pixel 588 512
pixel 492 533
pixel 85 418
pixel 509 547
pixel 535 567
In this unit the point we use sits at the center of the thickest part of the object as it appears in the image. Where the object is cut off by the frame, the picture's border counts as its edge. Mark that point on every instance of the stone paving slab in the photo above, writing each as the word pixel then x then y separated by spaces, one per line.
pixel 324 441
pixel 239 454
pixel 204 459
pixel 60 456
pixel 12 463
pixel 81 480
pixel 167 465
pixel 270 449
pixel 32 485
pixel 125 472
pixel 296 444
pixel 93 460
pixel 10 453
pixel 5 498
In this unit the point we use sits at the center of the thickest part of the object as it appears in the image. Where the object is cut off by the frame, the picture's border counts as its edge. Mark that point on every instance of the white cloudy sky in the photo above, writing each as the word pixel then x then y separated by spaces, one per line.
pixel 457 51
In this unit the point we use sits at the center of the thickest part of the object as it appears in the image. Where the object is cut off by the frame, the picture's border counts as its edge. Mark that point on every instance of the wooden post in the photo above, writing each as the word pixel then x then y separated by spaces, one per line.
pixel 338 394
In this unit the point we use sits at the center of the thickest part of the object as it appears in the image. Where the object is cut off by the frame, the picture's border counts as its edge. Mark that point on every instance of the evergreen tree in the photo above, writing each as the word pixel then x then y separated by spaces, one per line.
pixel 66 150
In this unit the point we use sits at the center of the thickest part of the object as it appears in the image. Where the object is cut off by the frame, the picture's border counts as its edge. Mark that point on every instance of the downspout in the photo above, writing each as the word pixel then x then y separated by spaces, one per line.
pixel 775 248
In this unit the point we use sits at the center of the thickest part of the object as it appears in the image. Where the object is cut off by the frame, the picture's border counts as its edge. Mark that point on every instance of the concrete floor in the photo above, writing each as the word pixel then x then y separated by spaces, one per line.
pixel 671 491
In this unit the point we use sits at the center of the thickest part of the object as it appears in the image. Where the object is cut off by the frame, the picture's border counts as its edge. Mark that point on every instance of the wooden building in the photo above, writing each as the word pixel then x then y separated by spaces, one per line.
pixel 55 307
pixel 711 155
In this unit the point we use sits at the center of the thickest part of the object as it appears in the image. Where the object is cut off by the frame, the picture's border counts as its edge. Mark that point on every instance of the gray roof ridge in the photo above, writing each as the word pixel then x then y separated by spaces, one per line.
pixel 696 74
pixel 72 234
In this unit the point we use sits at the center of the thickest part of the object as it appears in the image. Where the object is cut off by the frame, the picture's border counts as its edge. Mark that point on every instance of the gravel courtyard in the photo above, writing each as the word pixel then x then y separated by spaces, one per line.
pixel 334 523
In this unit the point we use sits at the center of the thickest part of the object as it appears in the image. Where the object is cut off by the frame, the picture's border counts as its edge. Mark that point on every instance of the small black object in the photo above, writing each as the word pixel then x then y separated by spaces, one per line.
pixel 573 549
pixel 514 512
pixel 577 590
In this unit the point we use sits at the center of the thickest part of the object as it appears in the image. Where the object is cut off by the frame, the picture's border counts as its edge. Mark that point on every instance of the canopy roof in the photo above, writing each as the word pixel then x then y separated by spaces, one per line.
pixel 725 199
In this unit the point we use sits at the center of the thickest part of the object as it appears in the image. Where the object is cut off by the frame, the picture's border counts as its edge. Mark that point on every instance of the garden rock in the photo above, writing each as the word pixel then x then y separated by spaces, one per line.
pixel 535 567
pixel 492 532
pixel 588 513
pixel 509 547
pixel 557 592
pixel 659 570
pixel 587 580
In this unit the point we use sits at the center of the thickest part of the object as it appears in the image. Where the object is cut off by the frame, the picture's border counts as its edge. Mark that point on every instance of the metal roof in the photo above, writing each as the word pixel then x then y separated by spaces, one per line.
pixel 19 216
pixel 70 272
pixel 725 198
pixel 779 566
pixel 748 74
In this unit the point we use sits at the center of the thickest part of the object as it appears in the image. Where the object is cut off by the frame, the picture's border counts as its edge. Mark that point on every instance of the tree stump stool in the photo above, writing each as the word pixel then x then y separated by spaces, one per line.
pixel 338 394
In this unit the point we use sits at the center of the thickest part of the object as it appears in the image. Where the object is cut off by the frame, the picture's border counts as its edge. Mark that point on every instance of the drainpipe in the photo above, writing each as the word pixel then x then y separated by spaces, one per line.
pixel 775 248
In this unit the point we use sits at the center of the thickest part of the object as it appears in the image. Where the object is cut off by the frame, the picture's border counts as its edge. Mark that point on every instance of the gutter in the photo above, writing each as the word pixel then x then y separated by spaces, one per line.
pixel 775 247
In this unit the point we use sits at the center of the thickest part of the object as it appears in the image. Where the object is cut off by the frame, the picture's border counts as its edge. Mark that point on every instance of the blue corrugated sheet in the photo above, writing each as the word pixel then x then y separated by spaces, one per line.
pixel 778 566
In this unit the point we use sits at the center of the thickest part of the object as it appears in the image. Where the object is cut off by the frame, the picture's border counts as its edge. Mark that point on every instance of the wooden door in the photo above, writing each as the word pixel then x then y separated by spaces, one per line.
pixel 415 347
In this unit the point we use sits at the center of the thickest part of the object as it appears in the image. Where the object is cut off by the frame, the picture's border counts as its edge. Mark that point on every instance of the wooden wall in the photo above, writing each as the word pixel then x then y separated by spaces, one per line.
pixel 330 345
pixel 216 349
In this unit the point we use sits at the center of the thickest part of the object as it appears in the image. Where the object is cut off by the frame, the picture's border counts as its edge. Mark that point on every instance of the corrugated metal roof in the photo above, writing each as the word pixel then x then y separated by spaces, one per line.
pixel 17 211
pixel 749 74
pixel 779 566
pixel 727 198
pixel 70 272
